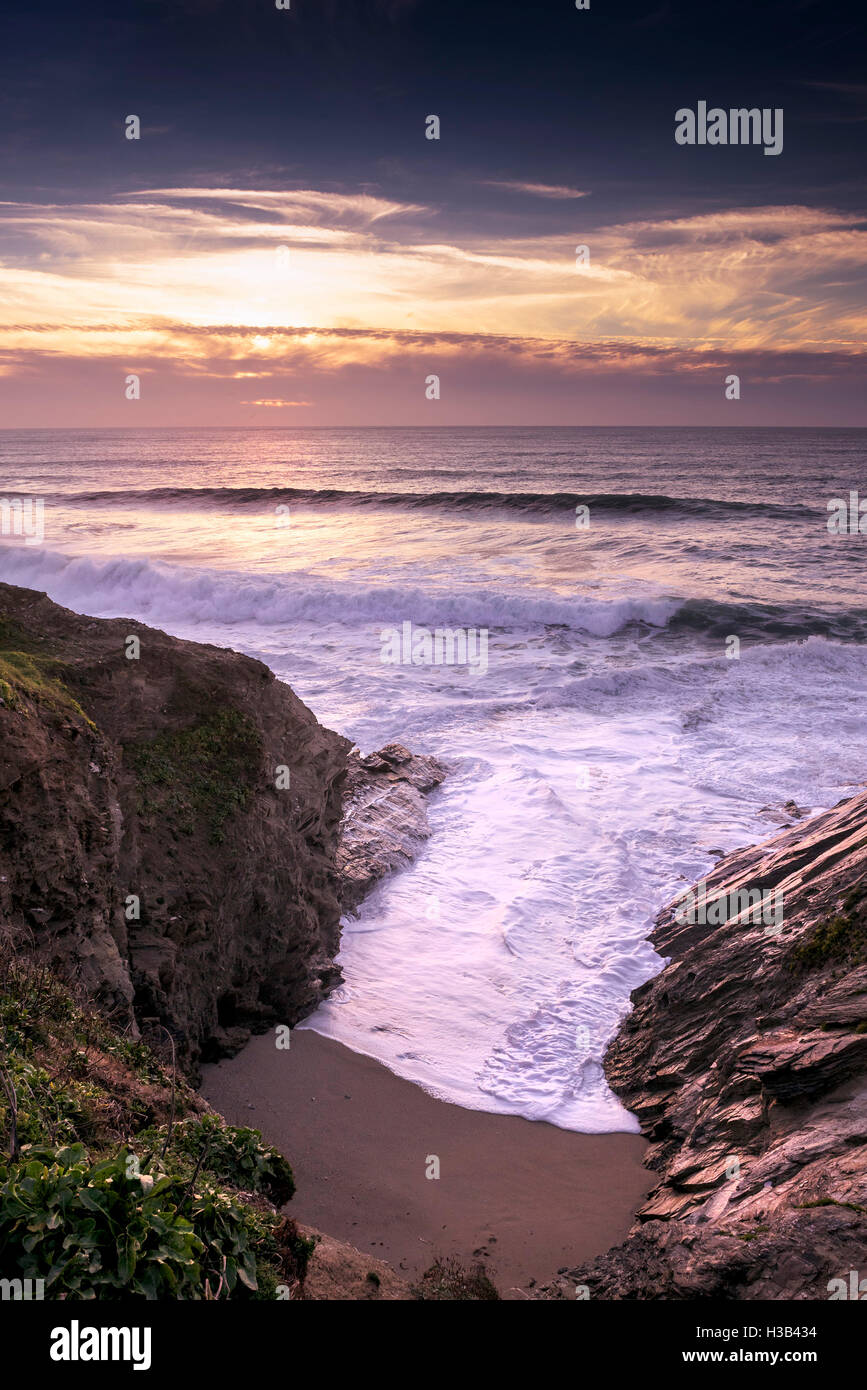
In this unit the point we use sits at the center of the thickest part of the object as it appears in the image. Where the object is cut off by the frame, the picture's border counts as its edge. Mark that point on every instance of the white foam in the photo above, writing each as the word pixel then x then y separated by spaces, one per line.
pixel 107 587
pixel 594 770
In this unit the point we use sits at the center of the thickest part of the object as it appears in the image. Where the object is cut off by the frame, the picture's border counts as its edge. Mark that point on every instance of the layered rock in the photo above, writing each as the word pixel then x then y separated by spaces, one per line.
pixel 745 1060
pixel 385 820
pixel 169 815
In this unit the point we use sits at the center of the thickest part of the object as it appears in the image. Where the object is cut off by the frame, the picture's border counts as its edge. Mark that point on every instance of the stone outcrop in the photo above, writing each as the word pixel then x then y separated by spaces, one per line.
pixel 168 826
pixel 178 833
pixel 385 820
pixel 745 1061
pixel 337 1272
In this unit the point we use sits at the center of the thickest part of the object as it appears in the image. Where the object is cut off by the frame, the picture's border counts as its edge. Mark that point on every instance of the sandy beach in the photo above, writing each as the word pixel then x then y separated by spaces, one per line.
pixel 526 1198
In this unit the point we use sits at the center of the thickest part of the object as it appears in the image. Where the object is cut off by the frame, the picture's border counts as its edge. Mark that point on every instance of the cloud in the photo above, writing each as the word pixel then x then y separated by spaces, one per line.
pixel 314 204
pixel 536 190
pixel 358 377
pixel 275 404
pixel 226 283
pixel 849 89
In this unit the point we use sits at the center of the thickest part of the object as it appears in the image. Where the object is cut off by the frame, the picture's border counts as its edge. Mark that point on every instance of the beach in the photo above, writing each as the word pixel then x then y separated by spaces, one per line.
pixel 525 1195
pixel 617 743
pixel 642 713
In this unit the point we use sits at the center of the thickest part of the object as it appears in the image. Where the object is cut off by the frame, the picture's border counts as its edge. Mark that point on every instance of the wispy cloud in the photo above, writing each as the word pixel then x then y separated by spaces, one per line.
pixel 849 89
pixel 288 205
pixel 222 284
pixel 276 404
pixel 536 190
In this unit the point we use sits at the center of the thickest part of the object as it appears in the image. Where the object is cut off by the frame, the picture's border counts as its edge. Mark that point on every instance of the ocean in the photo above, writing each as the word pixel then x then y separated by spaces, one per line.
pixel 615 740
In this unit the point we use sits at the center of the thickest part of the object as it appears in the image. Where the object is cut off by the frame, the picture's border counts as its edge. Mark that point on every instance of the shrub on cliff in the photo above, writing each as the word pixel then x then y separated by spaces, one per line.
pixel 841 940
pixel 111 1186
pixel 107 1230
pixel 235 1156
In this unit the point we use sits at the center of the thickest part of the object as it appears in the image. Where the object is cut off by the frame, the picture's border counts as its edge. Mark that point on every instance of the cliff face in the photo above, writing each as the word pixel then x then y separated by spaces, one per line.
pixel 168 825
pixel 745 1061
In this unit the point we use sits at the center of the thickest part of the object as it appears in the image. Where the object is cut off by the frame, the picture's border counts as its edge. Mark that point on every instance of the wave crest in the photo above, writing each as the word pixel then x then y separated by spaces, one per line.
pixel 531 503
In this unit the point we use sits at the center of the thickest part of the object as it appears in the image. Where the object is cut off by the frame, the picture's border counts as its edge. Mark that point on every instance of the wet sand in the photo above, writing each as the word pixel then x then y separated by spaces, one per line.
pixel 528 1197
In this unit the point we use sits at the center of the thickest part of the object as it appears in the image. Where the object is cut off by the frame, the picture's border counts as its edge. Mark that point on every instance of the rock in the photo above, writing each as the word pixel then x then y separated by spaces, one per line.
pixel 151 853
pixel 385 820
pixel 745 1061
pixel 180 883
pixel 339 1272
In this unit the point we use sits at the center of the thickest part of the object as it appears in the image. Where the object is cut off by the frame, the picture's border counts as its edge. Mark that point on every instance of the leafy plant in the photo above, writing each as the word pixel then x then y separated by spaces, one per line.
pixel 237 1156
pixel 92 1231
pixel 108 1231
pixel 98 1207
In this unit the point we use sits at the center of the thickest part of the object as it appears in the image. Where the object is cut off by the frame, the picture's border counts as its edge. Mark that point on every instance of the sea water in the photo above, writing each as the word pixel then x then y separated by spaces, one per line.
pixel 615 744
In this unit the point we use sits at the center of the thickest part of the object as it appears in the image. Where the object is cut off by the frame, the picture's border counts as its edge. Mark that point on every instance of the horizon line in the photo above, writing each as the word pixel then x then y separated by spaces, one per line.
pixel 59 429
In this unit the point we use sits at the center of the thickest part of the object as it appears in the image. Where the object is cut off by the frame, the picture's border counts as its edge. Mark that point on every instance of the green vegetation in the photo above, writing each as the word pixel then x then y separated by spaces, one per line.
pixel 235 1156
pixel 199 775
pixel 841 940
pixel 747 1236
pixel 40 1017
pixel 28 674
pixel 115 1230
pixel 117 1183
pixel 448 1280
pixel 113 1184
pixel 832 1202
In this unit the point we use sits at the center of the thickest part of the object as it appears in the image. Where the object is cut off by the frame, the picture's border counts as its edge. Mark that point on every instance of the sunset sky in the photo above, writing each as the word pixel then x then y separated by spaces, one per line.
pixel 284 246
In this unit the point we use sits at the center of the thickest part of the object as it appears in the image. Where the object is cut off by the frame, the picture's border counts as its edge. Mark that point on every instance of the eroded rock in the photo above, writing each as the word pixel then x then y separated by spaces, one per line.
pixel 146 848
pixel 385 820
pixel 745 1061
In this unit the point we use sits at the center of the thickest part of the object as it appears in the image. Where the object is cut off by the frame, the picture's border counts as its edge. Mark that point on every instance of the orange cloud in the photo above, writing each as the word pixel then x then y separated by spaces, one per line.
pixel 231 283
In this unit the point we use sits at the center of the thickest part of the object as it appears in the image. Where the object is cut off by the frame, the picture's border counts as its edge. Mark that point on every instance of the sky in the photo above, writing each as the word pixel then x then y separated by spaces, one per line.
pixel 283 245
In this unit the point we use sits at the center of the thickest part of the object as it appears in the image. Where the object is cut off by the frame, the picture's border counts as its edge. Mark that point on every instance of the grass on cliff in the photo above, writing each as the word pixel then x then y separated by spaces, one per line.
pixel 197 776
pixel 26 673
pixel 840 940
pixel 115 1180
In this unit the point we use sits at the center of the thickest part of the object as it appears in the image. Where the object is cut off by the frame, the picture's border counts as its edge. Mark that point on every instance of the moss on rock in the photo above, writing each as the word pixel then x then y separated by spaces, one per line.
pixel 199 775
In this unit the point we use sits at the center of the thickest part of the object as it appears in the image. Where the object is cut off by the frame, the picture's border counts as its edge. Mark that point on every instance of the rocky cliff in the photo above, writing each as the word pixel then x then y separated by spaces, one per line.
pixel 169 819
pixel 745 1061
